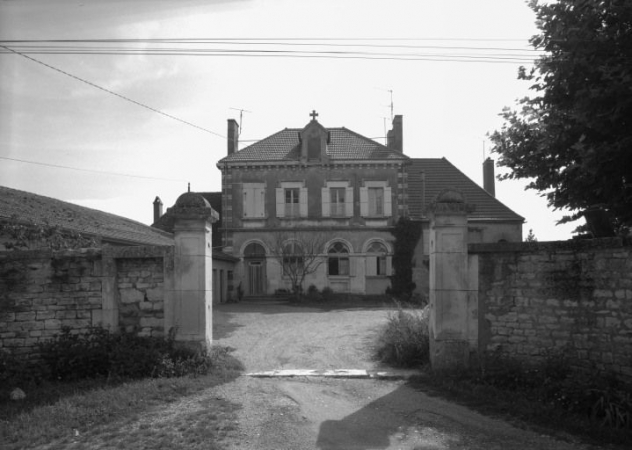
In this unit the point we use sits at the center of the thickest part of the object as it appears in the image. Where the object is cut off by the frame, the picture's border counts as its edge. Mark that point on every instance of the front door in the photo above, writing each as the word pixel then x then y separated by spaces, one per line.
pixel 255 278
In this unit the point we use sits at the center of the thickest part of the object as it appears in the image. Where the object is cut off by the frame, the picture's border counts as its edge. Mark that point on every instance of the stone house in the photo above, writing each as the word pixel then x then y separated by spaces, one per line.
pixel 343 191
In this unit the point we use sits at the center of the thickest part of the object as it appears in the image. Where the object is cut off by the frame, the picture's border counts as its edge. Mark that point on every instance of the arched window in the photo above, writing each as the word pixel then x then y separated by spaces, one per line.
pixel 376 260
pixel 292 258
pixel 254 250
pixel 338 259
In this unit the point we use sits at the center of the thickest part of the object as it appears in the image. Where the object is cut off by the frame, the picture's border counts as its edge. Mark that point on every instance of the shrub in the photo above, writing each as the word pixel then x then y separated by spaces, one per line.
pixel 17 372
pixel 403 341
pixel 313 295
pixel 327 294
pixel 552 382
pixel 98 353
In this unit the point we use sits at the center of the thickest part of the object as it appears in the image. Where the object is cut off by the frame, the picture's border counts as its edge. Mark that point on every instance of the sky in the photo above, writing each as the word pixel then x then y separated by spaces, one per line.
pixel 113 129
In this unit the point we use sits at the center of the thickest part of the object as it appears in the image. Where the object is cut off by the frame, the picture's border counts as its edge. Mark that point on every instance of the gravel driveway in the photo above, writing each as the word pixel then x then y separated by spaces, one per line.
pixel 341 414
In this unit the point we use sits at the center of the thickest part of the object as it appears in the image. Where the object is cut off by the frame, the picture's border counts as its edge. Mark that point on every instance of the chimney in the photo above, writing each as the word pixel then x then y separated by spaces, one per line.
pixel 488 176
pixel 233 136
pixel 395 137
pixel 157 209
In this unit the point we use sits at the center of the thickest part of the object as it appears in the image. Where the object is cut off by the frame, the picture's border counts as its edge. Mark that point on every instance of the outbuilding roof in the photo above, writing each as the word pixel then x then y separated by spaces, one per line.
pixel 25 207
pixel 440 174
pixel 343 145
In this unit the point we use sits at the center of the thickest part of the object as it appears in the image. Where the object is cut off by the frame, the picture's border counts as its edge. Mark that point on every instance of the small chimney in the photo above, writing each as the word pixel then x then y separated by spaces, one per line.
pixel 395 136
pixel 233 136
pixel 157 209
pixel 488 177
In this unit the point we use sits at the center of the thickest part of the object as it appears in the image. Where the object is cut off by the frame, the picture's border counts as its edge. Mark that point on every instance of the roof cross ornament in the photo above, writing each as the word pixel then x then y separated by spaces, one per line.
pixel 314 114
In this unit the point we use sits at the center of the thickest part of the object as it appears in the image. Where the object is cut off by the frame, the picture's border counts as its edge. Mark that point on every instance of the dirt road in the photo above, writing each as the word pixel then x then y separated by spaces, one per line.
pixel 341 414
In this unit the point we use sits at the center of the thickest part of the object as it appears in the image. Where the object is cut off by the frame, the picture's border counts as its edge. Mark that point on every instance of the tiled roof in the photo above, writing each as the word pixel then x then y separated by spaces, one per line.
pixel 28 207
pixel 440 174
pixel 285 146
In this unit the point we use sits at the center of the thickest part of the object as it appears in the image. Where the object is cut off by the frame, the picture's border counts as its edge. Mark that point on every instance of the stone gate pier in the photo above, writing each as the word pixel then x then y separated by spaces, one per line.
pixel 453 320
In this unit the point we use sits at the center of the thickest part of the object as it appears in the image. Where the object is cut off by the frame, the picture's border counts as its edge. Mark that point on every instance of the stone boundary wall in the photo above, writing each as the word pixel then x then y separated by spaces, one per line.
pixel 571 296
pixel 116 287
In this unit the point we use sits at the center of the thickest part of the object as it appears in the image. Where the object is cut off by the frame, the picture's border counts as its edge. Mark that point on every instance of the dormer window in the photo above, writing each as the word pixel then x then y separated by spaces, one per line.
pixel 314 139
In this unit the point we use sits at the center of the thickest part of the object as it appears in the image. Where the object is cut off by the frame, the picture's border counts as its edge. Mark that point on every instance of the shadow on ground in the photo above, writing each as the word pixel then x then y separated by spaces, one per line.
pixel 387 422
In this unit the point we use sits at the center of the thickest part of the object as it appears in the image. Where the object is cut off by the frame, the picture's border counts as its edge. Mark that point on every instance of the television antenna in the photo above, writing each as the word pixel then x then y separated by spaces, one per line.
pixel 241 114
pixel 390 91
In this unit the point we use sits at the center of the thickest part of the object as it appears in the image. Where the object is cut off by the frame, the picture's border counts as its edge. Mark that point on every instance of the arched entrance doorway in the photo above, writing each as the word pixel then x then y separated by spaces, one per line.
pixel 255 262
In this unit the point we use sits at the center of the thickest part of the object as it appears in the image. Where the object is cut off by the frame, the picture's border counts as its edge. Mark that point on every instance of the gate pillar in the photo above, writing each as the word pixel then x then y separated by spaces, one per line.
pixel 453 319
pixel 191 314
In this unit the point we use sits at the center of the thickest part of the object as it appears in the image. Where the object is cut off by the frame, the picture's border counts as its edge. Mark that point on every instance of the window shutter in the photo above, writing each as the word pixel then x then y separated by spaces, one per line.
pixel 260 202
pixel 370 262
pixel 352 266
pixel 280 202
pixel 325 201
pixel 349 202
pixel 389 266
pixel 388 209
pixel 302 199
pixel 364 201
pixel 247 205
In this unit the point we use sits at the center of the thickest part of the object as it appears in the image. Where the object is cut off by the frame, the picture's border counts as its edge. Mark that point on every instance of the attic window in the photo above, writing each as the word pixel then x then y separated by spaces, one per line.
pixel 313 148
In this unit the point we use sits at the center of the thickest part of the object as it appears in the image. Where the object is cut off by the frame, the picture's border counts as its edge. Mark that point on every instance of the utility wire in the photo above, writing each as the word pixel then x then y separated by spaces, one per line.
pixel 112 92
pixel 103 172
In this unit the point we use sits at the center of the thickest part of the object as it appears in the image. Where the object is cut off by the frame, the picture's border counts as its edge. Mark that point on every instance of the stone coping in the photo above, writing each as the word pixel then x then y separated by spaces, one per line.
pixel 570 245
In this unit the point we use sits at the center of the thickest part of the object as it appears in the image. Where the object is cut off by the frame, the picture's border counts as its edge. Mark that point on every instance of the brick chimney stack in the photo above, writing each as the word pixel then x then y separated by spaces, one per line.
pixel 233 136
pixel 395 136
pixel 489 182
pixel 157 209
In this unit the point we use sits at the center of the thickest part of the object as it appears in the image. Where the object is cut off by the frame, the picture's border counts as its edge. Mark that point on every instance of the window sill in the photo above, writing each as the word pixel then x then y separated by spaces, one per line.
pixel 339 277
pixel 254 218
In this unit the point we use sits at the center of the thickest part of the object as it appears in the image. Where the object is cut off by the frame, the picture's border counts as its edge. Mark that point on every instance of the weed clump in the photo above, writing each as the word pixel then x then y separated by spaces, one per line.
pixel 403 341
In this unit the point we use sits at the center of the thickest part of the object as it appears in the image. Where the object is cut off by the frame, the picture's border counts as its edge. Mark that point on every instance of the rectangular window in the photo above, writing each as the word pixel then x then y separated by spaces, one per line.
pixel 376 201
pixel 338 266
pixel 337 202
pixel 292 202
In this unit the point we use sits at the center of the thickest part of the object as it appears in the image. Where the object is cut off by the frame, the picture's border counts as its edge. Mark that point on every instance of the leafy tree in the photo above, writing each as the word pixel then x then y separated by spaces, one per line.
pixel 573 138
pixel 299 253
pixel 531 237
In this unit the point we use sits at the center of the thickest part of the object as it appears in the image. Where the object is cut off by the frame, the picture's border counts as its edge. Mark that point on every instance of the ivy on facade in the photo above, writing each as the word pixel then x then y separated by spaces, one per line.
pixel 407 234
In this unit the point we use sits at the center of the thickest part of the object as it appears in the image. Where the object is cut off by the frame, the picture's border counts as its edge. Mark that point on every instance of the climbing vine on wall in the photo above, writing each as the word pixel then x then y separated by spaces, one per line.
pixel 407 234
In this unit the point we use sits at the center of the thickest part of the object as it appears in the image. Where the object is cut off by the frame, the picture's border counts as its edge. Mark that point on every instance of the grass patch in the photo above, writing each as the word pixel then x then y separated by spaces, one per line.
pixel 403 340
pixel 547 397
pixel 148 413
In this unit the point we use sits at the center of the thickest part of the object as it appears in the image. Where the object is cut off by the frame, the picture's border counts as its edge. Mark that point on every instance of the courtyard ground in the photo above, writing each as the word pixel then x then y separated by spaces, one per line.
pixel 324 413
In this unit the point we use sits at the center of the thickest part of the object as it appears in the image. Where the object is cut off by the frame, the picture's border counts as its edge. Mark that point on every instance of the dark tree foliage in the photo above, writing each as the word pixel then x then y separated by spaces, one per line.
pixel 573 138
pixel 407 234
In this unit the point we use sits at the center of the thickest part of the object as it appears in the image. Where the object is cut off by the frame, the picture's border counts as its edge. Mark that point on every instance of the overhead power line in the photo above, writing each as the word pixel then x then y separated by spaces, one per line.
pixel 330 48
pixel 102 172
pixel 142 105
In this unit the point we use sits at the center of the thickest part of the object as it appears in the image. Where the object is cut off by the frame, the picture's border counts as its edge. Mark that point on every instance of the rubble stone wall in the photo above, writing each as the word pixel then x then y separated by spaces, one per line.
pixel 42 291
pixel 572 298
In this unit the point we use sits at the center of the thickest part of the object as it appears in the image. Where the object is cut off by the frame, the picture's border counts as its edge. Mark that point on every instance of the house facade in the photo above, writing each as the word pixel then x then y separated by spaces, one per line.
pixel 327 194
pixel 335 195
